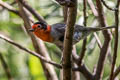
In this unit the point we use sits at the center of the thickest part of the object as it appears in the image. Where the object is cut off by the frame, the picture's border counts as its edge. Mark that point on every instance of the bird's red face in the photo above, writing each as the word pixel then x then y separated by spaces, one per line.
pixel 42 31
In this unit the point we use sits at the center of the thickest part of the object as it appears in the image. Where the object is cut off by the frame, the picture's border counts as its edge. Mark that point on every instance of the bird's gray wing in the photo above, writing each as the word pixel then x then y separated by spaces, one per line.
pixel 58 31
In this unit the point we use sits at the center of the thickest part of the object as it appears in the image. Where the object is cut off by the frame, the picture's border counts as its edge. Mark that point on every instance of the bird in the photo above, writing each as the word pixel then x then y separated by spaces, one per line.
pixel 55 33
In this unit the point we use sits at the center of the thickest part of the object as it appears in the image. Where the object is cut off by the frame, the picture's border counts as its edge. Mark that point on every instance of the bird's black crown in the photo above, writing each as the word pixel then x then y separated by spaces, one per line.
pixel 42 25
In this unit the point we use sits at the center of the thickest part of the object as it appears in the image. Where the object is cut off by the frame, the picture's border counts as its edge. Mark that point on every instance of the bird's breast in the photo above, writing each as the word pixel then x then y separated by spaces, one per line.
pixel 44 35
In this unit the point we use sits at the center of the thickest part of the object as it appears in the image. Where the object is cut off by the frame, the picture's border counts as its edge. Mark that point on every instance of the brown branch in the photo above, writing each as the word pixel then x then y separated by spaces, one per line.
pixel 6 68
pixel 91 4
pixel 32 52
pixel 68 3
pixel 82 54
pixel 75 75
pixel 105 47
pixel 116 39
pixel 33 11
pixel 96 36
pixel 13 3
pixel 71 19
pixel 9 7
pixel 117 71
pixel 65 10
pixel 95 14
pixel 98 40
pixel 38 45
pixel 84 71
pixel 82 68
pixel 107 6
pixel 29 51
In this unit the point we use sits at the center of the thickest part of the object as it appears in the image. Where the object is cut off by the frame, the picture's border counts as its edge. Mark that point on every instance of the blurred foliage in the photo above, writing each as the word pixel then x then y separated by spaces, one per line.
pixel 28 67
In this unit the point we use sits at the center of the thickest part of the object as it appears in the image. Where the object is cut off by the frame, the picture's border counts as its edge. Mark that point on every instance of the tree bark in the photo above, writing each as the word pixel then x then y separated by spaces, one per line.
pixel 71 19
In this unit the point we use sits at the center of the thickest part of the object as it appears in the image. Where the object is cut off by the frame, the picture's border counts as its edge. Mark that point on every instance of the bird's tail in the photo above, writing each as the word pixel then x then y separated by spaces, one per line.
pixel 99 29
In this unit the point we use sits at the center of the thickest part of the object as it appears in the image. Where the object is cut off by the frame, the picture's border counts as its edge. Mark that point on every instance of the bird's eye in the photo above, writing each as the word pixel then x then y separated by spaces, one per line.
pixel 39 26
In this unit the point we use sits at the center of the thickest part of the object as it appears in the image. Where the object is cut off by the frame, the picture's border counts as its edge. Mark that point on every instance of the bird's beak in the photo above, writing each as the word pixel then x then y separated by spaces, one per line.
pixel 31 30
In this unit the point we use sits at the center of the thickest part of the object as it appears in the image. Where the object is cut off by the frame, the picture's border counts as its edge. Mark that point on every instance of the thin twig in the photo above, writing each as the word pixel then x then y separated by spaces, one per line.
pixel 112 9
pixel 8 7
pixel 33 11
pixel 6 68
pixel 117 71
pixel 98 40
pixel 82 54
pixel 95 14
pixel 116 39
pixel 91 4
pixel 11 9
pixel 38 55
pixel 29 51
pixel 14 2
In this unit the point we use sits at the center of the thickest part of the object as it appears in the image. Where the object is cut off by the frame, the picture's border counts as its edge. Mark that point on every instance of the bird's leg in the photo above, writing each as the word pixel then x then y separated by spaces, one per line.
pixel 67 3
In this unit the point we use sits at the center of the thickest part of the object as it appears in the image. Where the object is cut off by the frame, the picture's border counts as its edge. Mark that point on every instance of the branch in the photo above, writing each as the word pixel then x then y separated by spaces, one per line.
pixel 32 53
pixel 98 40
pixel 95 14
pixel 82 54
pixel 91 4
pixel 68 3
pixel 75 75
pixel 9 7
pixel 38 55
pixel 6 68
pixel 105 47
pixel 38 45
pixel 29 51
pixel 82 68
pixel 117 71
pixel 65 10
pixel 116 39
pixel 85 72
pixel 107 6
pixel 71 19
pixel 33 11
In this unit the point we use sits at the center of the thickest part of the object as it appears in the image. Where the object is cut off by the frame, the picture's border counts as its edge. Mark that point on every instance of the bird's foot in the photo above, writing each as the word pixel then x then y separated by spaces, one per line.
pixel 67 3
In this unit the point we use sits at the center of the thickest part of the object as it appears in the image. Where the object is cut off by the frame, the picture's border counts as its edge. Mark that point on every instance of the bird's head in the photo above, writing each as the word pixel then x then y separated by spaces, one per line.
pixel 38 26
pixel 42 30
